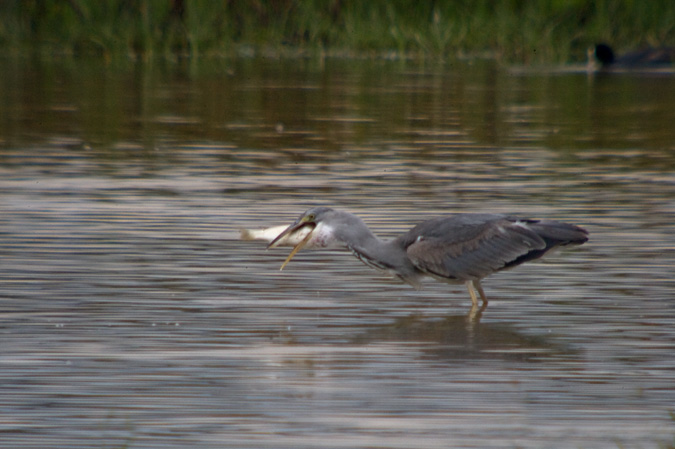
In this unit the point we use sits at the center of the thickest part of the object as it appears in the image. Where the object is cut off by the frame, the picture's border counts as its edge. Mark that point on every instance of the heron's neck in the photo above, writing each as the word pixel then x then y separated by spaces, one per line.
pixel 389 256
pixel 376 252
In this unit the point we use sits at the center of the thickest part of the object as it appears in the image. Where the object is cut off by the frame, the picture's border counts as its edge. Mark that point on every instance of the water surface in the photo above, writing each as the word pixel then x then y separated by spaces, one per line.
pixel 133 316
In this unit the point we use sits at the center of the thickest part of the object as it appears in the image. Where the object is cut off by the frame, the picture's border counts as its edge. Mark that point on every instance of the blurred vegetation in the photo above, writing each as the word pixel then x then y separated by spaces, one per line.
pixel 535 31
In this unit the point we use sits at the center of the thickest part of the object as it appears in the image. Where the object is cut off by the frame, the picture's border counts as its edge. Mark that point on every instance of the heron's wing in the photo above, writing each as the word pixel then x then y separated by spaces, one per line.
pixel 464 248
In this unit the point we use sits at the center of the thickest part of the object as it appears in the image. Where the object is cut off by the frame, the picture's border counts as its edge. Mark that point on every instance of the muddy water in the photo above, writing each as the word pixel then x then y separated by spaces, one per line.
pixel 133 316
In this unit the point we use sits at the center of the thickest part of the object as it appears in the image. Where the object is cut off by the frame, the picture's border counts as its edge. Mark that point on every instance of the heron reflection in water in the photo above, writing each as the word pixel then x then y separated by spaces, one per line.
pixel 460 248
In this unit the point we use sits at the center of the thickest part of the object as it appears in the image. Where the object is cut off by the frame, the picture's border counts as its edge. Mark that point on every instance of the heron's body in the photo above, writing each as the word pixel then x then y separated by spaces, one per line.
pixel 461 248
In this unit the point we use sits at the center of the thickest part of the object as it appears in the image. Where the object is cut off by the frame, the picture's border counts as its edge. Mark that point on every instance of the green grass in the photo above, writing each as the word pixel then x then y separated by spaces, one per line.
pixel 536 31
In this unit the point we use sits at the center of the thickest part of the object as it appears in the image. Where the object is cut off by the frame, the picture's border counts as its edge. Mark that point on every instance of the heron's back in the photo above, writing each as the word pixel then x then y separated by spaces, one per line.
pixel 472 246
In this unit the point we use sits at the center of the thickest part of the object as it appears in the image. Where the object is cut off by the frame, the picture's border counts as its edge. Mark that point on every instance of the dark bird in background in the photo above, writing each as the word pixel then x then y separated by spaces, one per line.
pixel 644 58
pixel 460 248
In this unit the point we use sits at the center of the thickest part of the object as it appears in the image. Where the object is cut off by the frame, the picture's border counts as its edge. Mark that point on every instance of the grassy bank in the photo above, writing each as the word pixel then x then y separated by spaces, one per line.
pixel 539 31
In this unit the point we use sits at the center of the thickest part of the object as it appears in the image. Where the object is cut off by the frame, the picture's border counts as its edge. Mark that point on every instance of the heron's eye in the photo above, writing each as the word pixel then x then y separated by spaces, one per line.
pixel 309 217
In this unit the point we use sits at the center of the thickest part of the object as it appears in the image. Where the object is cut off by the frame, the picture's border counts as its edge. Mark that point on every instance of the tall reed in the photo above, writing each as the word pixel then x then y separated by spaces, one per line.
pixel 538 31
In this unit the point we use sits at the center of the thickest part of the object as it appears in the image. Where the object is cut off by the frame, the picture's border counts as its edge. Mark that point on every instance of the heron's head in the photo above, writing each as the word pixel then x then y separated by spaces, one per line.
pixel 320 234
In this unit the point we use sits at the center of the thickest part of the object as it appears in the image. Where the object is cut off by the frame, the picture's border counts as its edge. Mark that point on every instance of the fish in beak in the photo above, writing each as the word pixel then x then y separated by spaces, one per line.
pixel 291 234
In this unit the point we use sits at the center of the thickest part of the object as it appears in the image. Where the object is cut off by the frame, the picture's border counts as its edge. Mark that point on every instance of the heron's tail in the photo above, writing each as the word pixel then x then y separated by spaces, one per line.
pixel 556 233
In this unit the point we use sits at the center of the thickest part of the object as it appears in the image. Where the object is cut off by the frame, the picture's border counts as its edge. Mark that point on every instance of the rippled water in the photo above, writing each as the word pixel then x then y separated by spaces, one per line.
pixel 133 316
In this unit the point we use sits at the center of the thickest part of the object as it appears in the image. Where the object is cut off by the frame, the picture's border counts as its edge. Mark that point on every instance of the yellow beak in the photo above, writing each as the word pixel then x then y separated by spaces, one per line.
pixel 290 230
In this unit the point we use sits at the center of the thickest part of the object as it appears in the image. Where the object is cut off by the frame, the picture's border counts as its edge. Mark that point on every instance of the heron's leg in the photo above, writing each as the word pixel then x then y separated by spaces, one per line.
pixel 481 292
pixel 472 292
pixel 475 314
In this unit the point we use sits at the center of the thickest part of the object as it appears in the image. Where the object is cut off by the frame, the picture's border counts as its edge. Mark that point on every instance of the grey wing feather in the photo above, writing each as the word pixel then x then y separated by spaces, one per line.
pixel 557 233
pixel 472 250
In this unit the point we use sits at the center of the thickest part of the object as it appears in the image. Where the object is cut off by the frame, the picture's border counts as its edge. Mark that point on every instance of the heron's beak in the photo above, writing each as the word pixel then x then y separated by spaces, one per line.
pixel 300 224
